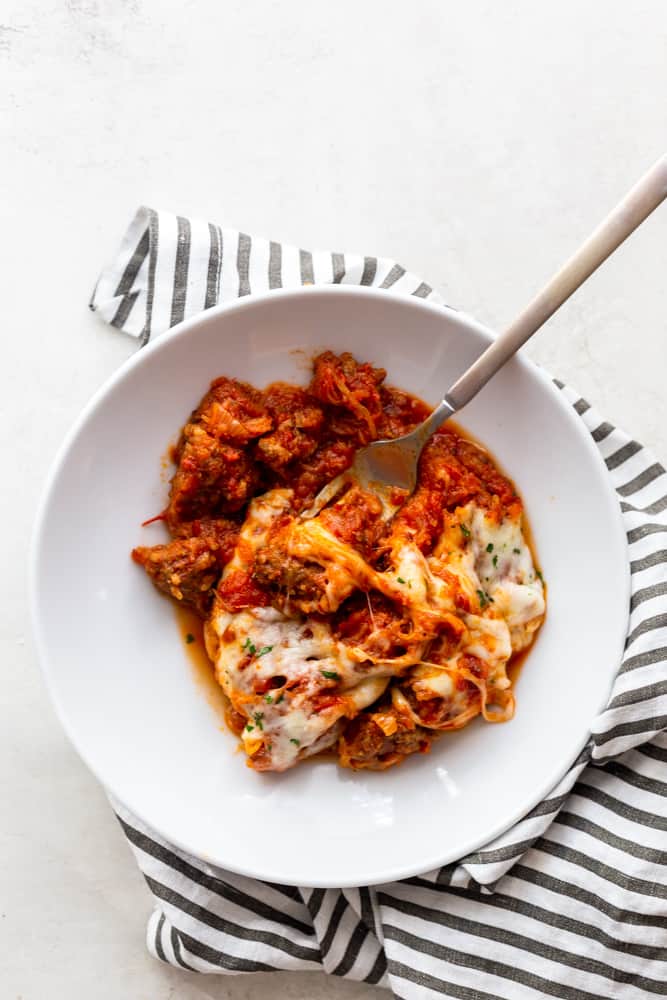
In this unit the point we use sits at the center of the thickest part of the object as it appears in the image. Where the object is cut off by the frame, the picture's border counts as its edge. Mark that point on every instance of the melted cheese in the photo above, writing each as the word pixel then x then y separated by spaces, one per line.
pixel 262 512
pixel 433 681
pixel 504 566
pixel 294 682
pixel 258 648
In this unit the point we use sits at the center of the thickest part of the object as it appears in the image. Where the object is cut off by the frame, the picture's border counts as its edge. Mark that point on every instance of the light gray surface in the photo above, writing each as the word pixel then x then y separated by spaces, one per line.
pixel 477 143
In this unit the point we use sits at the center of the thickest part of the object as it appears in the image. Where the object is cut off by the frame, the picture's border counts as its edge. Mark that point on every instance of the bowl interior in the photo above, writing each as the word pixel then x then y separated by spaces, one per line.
pixel 120 674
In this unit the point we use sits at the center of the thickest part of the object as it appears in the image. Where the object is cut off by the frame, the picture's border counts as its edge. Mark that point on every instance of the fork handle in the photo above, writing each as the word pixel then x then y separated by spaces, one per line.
pixel 637 205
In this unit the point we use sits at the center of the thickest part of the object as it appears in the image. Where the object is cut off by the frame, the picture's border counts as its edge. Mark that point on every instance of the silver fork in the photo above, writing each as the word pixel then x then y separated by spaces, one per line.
pixel 388 464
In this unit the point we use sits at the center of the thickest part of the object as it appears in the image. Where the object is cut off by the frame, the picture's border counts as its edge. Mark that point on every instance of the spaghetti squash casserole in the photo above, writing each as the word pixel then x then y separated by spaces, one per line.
pixel 373 627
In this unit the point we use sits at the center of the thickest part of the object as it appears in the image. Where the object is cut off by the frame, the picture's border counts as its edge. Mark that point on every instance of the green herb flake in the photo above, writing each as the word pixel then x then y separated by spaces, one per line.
pixel 466 532
pixel 249 728
pixel 268 699
pixel 489 547
pixel 278 700
pixel 330 675
pixel 264 650
pixel 258 716
pixel 189 638
pixel 249 647
pixel 538 574
pixel 484 598
pixel 517 552
pixel 400 579
pixel 297 743
pixel 495 560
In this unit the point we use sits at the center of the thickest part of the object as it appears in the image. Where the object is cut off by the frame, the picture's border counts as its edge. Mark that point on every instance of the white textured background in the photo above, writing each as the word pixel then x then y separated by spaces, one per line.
pixel 476 142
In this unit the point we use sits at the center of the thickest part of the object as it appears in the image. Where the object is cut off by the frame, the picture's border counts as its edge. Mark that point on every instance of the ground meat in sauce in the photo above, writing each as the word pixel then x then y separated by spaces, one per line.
pixel 352 390
pixel 215 473
pixel 185 569
pixel 373 623
pixel 461 471
pixel 364 746
pixel 401 412
pixel 361 615
pixel 188 568
pixel 240 441
pixel 307 477
pixel 293 585
pixel 298 419
pixel 213 477
pixel 356 520
pixel 220 534
pixel 233 411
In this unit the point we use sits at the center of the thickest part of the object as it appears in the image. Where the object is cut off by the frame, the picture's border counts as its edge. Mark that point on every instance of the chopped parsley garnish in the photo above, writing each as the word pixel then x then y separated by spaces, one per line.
pixel 268 699
pixel 278 700
pixel 297 743
pixel 249 728
pixel 466 532
pixel 489 547
pixel 330 675
pixel 517 552
pixel 189 638
pixel 249 647
pixel 400 579
pixel 495 560
pixel 258 716
pixel 484 598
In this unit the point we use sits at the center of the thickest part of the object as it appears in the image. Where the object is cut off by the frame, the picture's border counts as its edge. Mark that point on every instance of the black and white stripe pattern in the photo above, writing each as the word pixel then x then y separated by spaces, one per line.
pixel 572 901
pixel 169 268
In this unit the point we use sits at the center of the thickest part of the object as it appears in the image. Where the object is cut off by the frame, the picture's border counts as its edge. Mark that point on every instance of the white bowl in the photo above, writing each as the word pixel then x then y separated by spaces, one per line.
pixel 119 673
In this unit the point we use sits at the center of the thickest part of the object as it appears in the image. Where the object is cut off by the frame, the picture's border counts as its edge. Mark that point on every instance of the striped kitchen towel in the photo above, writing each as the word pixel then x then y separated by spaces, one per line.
pixel 572 901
